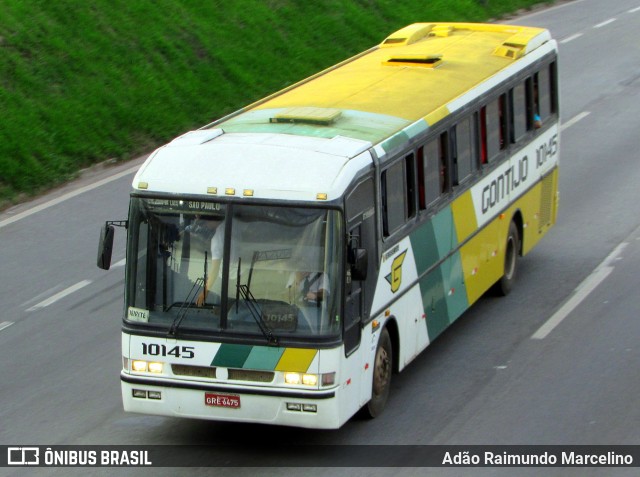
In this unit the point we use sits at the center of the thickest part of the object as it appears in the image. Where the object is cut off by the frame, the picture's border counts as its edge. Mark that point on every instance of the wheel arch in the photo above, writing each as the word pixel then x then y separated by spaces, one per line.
pixel 517 219
pixel 394 334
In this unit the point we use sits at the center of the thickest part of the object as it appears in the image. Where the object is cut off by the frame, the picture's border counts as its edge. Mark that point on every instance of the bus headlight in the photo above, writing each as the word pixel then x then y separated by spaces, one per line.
pixel 299 378
pixel 310 379
pixel 141 366
pixel 292 378
pixel 155 368
pixel 138 366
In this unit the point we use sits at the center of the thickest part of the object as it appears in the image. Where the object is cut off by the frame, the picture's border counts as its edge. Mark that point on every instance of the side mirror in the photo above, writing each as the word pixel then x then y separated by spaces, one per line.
pixel 105 247
pixel 358 259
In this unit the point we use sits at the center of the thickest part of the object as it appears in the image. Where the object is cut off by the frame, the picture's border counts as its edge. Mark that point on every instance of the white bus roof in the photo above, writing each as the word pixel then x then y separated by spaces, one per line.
pixel 260 165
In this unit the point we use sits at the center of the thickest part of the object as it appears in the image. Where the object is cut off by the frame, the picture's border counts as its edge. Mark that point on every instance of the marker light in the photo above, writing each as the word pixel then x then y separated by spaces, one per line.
pixel 230 191
pixel 328 379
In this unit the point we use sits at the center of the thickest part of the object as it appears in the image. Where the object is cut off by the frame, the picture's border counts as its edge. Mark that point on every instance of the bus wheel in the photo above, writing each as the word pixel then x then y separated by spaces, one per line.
pixel 382 370
pixel 505 284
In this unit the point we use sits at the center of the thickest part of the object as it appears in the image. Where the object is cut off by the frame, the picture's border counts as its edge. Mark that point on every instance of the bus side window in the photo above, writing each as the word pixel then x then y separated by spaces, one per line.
pixel 410 179
pixel 518 101
pixel 465 153
pixel 496 127
pixel 553 85
pixel 398 194
pixel 542 83
pixel 436 180
pixel 483 135
pixel 422 200
pixel 393 198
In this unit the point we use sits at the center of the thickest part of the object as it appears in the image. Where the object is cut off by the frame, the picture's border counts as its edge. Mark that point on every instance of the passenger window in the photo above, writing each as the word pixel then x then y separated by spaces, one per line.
pixel 410 180
pixel 553 85
pixel 542 93
pixel 496 127
pixel 422 200
pixel 394 193
pixel 483 135
pixel 466 154
pixel 519 112
pixel 436 181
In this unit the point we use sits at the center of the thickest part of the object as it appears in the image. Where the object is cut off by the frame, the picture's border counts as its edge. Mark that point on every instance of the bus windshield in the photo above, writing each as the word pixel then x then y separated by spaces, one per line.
pixel 234 268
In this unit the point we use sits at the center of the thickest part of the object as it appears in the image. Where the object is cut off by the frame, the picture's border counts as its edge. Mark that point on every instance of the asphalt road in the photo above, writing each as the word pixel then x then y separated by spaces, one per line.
pixel 555 362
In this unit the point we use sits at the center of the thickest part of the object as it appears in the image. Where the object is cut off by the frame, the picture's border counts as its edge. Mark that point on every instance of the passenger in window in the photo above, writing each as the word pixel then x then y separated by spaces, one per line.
pixel 537 122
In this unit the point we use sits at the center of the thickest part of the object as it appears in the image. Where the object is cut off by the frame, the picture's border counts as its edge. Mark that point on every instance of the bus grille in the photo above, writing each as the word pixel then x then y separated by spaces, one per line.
pixel 251 375
pixel 193 371
pixel 234 374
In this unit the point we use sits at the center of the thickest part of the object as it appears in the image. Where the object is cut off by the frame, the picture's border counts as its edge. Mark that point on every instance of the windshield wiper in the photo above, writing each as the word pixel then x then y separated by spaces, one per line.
pixel 184 307
pixel 252 305
pixel 188 303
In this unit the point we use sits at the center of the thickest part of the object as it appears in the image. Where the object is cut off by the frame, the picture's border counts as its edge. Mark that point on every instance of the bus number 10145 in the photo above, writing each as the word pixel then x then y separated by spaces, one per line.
pixel 154 349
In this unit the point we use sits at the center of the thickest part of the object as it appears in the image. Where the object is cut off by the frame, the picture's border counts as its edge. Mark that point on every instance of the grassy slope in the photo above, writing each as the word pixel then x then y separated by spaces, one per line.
pixel 81 82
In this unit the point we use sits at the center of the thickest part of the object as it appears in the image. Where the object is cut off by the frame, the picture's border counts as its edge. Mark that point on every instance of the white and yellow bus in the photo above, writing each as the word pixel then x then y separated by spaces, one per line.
pixel 284 261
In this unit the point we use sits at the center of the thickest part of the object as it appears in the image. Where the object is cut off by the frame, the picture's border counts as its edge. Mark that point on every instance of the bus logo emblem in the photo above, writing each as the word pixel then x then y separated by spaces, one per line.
pixel 395 277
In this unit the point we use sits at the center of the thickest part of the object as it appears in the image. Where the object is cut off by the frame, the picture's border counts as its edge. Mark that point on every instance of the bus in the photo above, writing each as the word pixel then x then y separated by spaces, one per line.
pixel 283 262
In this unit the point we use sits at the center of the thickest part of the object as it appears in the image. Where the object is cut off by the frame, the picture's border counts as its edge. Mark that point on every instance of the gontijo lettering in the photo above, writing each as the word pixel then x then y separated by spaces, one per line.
pixel 498 190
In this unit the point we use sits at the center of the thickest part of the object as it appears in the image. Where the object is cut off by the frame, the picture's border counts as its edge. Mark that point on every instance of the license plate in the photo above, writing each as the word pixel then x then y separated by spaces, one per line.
pixel 222 400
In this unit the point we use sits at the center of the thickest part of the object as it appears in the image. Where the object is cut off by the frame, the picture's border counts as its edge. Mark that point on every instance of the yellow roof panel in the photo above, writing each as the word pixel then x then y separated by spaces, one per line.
pixel 404 87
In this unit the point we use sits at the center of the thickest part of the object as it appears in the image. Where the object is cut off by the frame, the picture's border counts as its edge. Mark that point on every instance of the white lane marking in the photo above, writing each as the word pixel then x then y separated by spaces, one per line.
pixel 575 119
pixel 634 10
pixel 583 290
pixel 67 196
pixel 544 10
pixel 605 23
pixel 40 296
pixel 5 324
pixel 120 263
pixel 571 38
pixel 60 295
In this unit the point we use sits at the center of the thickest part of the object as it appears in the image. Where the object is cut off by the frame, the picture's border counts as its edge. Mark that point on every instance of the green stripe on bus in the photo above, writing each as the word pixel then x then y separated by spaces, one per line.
pixel 231 356
pixel 434 302
pixel 432 241
pixel 456 297
pixel 395 141
pixel 264 358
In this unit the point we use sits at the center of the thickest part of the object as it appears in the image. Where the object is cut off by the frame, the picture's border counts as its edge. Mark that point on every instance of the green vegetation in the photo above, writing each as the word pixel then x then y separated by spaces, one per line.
pixel 82 82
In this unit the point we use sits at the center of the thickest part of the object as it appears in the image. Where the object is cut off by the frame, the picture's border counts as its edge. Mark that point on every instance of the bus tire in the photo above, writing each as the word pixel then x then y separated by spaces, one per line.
pixel 511 254
pixel 382 370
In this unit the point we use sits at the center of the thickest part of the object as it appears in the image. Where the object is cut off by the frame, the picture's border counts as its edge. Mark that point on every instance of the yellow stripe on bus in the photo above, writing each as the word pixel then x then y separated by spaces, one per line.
pixel 296 360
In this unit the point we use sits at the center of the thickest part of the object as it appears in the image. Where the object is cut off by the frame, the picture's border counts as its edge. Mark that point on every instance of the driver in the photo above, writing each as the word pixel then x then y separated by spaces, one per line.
pixel 310 287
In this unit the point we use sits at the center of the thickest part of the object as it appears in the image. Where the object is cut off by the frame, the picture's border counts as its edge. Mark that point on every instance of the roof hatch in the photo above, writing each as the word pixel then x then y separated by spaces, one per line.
pixel 414 59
